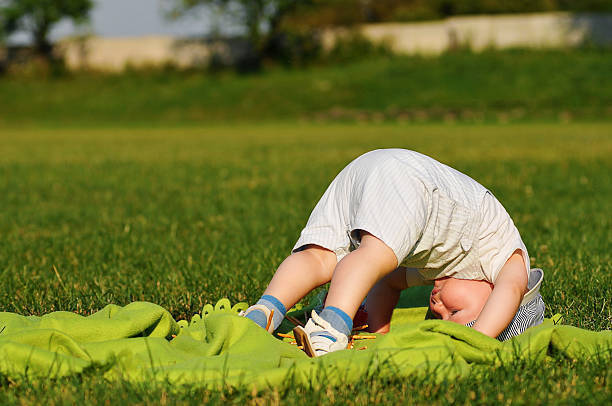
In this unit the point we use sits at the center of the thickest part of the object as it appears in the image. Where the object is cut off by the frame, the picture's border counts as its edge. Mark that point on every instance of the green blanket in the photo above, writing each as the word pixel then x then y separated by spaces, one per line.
pixel 142 342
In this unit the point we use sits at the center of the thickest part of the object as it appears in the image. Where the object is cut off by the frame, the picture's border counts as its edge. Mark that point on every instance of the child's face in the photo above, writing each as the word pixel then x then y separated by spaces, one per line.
pixel 458 300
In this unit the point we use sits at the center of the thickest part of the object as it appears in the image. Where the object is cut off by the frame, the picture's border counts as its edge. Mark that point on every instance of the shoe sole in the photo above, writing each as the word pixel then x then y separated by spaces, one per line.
pixel 302 339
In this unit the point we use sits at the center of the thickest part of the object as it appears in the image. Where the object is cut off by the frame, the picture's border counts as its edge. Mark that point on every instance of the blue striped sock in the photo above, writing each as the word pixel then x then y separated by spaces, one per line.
pixel 338 319
pixel 271 303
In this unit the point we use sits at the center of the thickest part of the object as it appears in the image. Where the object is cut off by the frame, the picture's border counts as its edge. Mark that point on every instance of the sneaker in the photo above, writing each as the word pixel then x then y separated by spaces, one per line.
pixel 318 337
pixel 269 314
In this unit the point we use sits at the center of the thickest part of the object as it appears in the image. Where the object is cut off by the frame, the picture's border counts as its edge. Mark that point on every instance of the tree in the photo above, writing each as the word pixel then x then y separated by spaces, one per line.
pixel 38 17
pixel 260 19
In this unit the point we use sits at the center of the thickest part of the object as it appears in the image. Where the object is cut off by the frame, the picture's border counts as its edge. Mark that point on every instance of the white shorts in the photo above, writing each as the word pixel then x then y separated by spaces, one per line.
pixel 372 194
pixel 433 217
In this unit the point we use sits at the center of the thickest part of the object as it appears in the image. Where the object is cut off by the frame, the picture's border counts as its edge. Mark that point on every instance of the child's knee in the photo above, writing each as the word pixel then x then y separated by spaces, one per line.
pixel 384 255
pixel 326 259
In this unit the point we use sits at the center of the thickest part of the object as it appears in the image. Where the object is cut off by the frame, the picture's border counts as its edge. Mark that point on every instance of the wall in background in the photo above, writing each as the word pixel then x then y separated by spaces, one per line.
pixel 541 30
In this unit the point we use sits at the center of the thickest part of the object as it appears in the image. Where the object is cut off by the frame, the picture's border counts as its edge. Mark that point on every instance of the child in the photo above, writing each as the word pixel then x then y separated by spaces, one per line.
pixel 392 207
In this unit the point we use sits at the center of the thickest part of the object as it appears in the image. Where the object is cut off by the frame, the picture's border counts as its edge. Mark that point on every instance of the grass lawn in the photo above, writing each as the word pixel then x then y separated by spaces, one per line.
pixel 182 216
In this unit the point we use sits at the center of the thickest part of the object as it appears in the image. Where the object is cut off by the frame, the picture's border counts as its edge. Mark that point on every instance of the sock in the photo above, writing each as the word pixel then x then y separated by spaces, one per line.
pixel 271 303
pixel 338 319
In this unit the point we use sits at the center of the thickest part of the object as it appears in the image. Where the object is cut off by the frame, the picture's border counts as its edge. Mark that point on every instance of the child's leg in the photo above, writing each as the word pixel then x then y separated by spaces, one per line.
pixel 383 298
pixel 358 272
pixel 353 278
pixel 296 276
pixel 300 273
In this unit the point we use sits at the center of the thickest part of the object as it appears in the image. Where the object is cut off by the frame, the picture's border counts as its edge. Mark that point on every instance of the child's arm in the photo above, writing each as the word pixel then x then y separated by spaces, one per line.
pixel 383 297
pixel 508 291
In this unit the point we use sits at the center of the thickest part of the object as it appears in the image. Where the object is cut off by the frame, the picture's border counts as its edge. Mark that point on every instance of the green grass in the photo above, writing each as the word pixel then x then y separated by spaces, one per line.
pixel 556 381
pixel 493 86
pixel 182 216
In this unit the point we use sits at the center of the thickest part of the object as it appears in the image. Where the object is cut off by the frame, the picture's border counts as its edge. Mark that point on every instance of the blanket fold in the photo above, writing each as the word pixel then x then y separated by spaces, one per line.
pixel 141 342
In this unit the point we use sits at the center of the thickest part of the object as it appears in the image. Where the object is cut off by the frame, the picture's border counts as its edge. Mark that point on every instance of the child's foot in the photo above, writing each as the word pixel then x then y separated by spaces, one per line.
pixel 261 315
pixel 268 313
pixel 318 337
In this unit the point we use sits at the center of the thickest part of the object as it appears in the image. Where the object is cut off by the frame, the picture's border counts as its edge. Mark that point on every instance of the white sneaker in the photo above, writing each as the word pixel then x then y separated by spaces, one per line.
pixel 318 337
pixel 269 314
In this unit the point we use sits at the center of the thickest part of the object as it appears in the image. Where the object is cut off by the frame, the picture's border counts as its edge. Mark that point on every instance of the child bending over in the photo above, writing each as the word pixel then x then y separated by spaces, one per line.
pixel 397 207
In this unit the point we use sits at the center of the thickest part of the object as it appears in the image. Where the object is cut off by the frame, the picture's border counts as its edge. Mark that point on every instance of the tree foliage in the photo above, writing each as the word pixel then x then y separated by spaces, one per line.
pixel 287 29
pixel 260 19
pixel 38 17
pixel 318 13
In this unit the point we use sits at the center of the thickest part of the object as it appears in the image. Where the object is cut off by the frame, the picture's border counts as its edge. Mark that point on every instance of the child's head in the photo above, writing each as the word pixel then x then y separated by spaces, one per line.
pixel 458 300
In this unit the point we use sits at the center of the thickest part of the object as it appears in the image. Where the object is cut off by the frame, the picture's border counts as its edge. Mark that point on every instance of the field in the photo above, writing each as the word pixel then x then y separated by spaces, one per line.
pixel 183 216
pixel 498 86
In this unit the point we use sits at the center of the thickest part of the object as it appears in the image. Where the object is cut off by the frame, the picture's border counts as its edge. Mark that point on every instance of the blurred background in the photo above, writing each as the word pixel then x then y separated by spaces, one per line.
pixel 150 149
pixel 195 61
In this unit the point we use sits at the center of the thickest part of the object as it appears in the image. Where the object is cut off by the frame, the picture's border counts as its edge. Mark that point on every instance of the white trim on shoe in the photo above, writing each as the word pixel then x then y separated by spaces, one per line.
pixel 319 344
